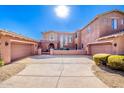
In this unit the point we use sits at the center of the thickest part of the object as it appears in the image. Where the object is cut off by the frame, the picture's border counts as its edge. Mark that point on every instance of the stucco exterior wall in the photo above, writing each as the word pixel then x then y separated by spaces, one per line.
pixel 90 36
pixel 77 40
pixel 13 48
pixel 119 48
pixel 5 49
pixel 106 21
pixel 102 26
pixel 57 40
pixel 120 45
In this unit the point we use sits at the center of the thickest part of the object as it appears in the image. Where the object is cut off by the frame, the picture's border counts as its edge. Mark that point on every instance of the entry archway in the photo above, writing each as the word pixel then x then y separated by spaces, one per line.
pixel 51 45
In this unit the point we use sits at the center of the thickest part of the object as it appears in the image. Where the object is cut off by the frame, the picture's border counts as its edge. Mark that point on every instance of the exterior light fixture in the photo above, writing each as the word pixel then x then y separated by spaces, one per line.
pixel 115 44
pixel 6 43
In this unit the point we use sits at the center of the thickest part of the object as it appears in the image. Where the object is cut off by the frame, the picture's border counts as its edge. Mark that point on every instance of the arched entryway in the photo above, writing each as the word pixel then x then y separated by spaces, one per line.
pixel 51 45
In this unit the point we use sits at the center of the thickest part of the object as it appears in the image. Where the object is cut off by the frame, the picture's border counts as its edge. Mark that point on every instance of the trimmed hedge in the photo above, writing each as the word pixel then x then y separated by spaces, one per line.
pixel 1 62
pixel 101 58
pixel 116 62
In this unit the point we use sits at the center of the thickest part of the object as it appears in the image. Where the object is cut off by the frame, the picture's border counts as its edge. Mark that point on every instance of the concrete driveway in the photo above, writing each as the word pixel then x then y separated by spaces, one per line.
pixel 56 71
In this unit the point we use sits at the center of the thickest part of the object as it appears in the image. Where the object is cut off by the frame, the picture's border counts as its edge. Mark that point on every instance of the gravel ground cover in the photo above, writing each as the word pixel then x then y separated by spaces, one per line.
pixel 112 78
pixel 9 70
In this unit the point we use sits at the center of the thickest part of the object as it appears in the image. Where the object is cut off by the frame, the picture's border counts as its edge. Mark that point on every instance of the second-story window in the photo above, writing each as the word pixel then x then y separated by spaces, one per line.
pixel 114 24
pixel 76 35
pixel 70 38
pixel 52 37
pixel 122 21
pixel 66 40
pixel 88 29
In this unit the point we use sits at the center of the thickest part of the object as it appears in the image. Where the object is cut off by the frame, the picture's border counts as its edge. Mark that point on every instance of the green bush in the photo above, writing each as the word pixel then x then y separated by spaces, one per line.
pixel 1 62
pixel 101 58
pixel 116 62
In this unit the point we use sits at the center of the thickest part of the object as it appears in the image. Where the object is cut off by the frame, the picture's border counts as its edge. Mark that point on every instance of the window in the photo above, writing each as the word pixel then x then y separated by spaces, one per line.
pixel 51 37
pixel 88 29
pixel 70 39
pixel 122 21
pixel 66 40
pixel 114 24
pixel 76 35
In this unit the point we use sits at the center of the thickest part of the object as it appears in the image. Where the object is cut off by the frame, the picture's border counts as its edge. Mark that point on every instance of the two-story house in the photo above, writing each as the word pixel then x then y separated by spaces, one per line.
pixel 104 34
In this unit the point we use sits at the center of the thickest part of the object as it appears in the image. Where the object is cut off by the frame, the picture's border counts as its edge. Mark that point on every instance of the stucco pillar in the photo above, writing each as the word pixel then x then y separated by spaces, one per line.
pixel 88 50
pixel 34 49
pixel 6 49
pixel 51 51
pixel 39 51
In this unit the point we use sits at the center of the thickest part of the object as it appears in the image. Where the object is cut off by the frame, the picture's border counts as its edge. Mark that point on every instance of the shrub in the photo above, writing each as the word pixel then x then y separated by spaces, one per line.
pixel 116 62
pixel 1 62
pixel 101 58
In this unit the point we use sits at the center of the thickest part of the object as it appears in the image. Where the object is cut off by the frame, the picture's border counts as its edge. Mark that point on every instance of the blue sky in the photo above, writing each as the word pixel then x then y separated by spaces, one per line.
pixel 31 20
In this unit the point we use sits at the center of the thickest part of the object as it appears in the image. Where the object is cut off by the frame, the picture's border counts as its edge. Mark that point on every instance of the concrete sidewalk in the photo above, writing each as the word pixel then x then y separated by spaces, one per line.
pixel 46 71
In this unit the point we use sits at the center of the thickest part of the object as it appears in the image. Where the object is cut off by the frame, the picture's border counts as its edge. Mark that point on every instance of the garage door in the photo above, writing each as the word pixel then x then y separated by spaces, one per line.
pixel 107 48
pixel 20 50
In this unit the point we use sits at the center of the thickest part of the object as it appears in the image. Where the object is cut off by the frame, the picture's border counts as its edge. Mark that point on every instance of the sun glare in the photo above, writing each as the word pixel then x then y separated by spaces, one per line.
pixel 62 11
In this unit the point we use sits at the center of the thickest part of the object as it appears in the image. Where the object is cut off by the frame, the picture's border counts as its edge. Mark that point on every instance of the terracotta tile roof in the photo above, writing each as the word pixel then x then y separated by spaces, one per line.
pixel 112 35
pixel 13 34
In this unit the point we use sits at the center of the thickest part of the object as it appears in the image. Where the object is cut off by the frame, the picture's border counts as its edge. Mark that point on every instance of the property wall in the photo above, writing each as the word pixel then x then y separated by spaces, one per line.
pixel 66 52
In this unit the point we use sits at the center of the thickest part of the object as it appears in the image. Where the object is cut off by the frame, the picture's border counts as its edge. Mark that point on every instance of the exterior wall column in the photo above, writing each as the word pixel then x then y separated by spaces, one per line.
pixel 5 49
pixel 88 50
pixel 51 51
pixel 39 51
pixel 34 49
